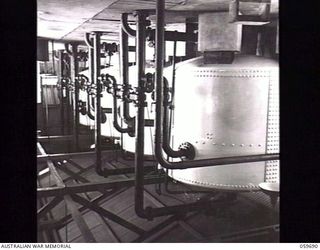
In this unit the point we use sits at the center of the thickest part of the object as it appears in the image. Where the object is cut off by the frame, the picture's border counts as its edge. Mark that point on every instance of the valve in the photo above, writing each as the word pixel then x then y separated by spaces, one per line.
pixel 109 48
pixel 103 117
pixel 82 56
pixel 82 107
pixel 149 83
pixel 82 81
pixel 66 83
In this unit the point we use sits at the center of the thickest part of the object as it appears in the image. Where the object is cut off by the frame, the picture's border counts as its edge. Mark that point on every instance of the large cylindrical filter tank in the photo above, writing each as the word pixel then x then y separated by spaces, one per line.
pixel 228 110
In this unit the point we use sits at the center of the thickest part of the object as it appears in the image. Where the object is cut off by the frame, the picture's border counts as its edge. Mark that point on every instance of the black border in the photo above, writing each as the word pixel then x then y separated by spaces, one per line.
pixel 299 122
pixel 18 123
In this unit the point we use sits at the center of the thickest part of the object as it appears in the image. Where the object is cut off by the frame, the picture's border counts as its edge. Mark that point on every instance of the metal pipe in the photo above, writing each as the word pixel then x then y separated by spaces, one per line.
pixel 90 115
pixel 74 73
pixel 124 69
pixel 92 76
pixel 66 47
pixel 68 100
pixel 173 87
pixel 91 72
pixel 115 110
pixel 165 126
pixel 88 40
pixel 53 61
pixel 125 25
pixel 60 75
pixel 139 154
pixel 96 82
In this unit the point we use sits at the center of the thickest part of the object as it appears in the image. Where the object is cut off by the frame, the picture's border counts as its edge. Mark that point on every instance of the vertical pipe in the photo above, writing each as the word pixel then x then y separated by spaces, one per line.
pixel 172 88
pixel 53 65
pixel 74 73
pixel 91 66
pixel 139 155
pixel 159 74
pixel 67 101
pixel 260 42
pixel 91 71
pixel 60 75
pixel 68 111
pixel 124 69
pixel 97 106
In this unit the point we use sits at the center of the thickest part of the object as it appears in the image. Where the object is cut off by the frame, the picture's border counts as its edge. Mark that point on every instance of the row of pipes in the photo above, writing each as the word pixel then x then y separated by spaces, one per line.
pixel 135 125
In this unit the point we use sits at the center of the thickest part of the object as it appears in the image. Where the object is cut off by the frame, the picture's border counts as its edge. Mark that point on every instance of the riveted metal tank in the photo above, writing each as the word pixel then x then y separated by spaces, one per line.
pixel 228 110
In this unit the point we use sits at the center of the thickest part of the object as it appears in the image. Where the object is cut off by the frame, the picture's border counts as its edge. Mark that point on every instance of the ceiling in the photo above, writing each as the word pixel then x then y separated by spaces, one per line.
pixel 68 20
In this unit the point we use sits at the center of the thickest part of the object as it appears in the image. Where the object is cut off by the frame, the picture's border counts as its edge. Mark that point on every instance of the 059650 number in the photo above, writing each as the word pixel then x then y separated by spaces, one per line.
pixel 309 245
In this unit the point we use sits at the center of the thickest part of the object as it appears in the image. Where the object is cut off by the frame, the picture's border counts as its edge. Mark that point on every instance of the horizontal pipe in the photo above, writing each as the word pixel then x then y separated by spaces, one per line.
pixel 214 161
pixel 58 138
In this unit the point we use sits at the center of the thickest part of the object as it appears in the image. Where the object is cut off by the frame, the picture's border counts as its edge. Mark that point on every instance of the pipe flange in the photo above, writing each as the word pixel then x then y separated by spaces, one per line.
pixel 188 149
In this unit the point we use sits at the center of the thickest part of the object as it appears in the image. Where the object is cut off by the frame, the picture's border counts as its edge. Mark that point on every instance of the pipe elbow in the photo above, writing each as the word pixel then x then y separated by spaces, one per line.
pixel 120 129
pixel 88 41
pixel 66 46
pixel 125 25
pixel 144 213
